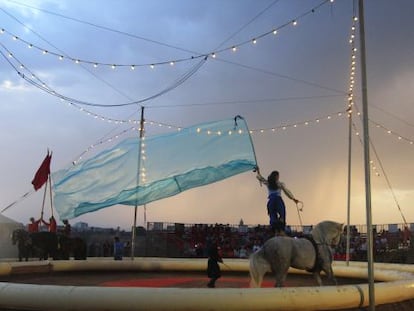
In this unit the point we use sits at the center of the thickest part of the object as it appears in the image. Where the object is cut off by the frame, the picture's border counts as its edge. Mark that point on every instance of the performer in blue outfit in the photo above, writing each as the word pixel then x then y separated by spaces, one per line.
pixel 118 249
pixel 276 208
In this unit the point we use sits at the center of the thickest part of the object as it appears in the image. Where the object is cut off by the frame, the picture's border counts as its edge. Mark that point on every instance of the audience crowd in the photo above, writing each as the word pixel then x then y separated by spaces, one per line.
pixel 241 240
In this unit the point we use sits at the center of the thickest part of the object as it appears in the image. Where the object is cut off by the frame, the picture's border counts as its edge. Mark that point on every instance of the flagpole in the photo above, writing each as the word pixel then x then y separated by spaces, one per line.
pixel 50 190
pixel 44 200
pixel 141 135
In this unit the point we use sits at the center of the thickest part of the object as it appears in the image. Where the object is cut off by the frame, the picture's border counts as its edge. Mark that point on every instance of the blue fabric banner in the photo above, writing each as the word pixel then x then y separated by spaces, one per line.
pixel 139 171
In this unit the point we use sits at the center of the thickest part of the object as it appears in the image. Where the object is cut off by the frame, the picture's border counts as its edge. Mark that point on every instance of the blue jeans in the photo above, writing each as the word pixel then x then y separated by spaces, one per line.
pixel 277 212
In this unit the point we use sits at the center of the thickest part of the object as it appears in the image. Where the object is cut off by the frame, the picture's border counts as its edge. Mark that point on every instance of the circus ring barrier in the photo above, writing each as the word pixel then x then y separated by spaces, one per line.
pixel 396 285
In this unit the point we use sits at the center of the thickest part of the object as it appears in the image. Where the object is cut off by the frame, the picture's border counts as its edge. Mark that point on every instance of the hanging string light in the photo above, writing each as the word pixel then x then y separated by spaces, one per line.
pixel 393 134
pixel 352 72
pixel 143 157
pixel 44 87
pixel 171 62
pixel 37 82
pixel 297 124
pixel 108 140
pixel 371 163
pixel 353 66
pixel 389 132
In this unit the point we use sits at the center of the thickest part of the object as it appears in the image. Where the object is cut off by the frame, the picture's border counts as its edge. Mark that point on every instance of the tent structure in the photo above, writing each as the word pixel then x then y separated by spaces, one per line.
pixel 7 225
pixel 138 171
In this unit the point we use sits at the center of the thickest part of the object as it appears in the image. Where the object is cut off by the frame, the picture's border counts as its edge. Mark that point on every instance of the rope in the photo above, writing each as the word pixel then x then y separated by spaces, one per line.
pixel 299 208
pixel 17 201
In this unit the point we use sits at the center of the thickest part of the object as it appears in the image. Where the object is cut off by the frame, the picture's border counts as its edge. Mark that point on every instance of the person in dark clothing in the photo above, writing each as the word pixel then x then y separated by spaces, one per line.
pixel 213 268
pixel 67 229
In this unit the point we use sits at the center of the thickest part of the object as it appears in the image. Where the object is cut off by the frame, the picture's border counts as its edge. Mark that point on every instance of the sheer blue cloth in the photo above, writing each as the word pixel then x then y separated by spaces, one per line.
pixel 172 163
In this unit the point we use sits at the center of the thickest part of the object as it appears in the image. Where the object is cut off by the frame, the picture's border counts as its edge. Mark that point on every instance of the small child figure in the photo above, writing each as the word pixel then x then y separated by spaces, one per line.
pixel 213 269
pixel 118 249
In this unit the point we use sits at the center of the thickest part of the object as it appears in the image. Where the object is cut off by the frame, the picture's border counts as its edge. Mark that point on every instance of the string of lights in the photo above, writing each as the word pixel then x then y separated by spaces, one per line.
pixel 350 109
pixel 88 70
pixel 108 140
pixel 143 158
pixel 171 62
pixel 388 183
pixel 352 84
pixel 388 131
pixel 351 106
pixel 275 129
pixel 142 140
pixel 353 66
pixel 392 133
pixel 298 124
pixel 371 162
pixel 39 83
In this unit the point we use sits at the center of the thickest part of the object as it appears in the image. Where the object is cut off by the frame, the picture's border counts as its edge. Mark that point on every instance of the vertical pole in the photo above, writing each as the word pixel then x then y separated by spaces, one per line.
pixel 141 135
pixel 51 199
pixel 44 201
pixel 370 250
pixel 348 216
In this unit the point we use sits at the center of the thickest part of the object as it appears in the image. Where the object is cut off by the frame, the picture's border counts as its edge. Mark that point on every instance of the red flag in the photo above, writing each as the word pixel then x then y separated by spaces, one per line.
pixel 42 173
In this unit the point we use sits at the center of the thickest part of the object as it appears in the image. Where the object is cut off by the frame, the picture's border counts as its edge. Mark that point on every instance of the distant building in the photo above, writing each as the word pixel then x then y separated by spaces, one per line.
pixel 81 226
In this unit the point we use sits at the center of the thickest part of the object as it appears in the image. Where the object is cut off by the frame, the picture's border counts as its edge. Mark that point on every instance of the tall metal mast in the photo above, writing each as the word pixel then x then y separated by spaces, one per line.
pixel 370 252
pixel 141 135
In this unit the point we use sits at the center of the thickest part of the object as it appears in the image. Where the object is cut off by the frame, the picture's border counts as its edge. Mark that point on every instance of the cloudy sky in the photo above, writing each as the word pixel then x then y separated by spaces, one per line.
pixel 300 75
